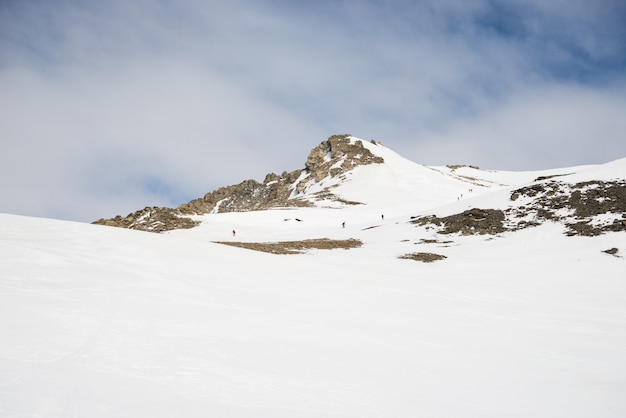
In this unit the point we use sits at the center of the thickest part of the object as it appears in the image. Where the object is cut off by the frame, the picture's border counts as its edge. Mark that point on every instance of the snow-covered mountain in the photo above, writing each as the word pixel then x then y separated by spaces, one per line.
pixel 345 171
pixel 389 289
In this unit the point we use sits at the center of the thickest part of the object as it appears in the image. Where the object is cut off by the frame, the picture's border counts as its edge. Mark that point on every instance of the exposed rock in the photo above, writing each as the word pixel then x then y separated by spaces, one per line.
pixel 470 222
pixel 296 247
pixel 540 178
pixel 433 241
pixel 151 219
pixel 457 166
pixel 423 257
pixel 338 153
pixel 587 208
pixel 248 195
pixel 331 159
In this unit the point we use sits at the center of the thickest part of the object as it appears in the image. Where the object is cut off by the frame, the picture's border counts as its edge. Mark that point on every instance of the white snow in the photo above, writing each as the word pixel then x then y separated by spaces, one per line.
pixel 105 322
pixel 604 172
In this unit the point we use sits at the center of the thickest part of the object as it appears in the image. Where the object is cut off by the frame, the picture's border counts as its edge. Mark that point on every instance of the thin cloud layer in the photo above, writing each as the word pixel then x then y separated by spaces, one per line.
pixel 109 107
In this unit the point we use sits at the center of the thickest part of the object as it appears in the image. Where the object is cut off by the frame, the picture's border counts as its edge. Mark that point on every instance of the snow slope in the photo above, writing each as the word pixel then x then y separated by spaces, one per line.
pixel 99 322
pixel 400 186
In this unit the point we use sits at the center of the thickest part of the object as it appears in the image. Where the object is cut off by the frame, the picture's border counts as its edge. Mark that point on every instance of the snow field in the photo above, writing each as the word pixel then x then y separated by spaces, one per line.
pixel 100 322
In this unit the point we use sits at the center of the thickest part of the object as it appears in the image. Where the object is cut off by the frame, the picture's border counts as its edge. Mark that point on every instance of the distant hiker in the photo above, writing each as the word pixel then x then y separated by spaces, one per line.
pixel 233 232
pixel 382 217
pixel 343 224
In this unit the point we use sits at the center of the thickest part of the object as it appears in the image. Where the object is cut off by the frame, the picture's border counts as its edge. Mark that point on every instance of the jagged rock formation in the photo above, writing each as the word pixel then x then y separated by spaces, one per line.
pixel 275 191
pixel 336 156
pixel 332 158
pixel 588 208
pixel 151 219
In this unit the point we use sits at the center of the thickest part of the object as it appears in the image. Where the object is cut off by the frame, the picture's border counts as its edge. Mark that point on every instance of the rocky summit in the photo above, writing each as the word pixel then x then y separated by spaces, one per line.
pixel 331 159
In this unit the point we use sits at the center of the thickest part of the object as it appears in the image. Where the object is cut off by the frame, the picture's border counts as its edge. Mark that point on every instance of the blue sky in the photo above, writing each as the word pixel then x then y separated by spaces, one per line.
pixel 108 107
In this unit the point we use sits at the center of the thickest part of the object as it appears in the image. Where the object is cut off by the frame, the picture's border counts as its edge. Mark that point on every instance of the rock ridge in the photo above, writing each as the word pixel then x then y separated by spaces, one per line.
pixel 330 159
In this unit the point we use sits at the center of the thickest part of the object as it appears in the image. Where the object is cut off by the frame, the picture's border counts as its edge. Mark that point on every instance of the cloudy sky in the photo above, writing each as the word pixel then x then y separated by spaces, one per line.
pixel 110 106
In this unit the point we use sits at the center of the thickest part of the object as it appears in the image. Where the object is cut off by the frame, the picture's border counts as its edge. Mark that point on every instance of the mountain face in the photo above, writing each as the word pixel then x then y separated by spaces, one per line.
pixel 332 158
pixel 589 207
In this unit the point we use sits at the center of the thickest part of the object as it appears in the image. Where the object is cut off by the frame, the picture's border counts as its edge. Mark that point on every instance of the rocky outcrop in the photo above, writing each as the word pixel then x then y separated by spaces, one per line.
pixel 275 191
pixel 151 219
pixel 331 159
pixel 470 222
pixel 337 155
pixel 423 257
pixel 587 208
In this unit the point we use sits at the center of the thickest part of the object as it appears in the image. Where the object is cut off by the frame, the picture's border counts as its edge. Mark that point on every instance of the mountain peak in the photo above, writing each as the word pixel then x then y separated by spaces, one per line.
pixel 330 160
pixel 338 154
pixel 344 172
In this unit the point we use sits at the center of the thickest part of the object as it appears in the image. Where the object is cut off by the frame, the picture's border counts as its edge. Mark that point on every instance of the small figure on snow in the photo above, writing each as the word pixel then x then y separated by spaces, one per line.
pixel 382 217
pixel 343 224
pixel 233 232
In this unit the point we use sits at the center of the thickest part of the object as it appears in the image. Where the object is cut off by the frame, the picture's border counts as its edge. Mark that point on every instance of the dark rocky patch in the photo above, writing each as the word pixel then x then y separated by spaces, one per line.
pixel 541 178
pixel 574 205
pixel 295 247
pixel 433 241
pixel 470 222
pixel 151 219
pixel 423 257
pixel 328 196
pixel 457 166
pixel 248 195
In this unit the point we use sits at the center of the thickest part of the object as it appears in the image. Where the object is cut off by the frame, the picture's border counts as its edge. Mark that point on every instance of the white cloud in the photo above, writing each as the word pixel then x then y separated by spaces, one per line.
pixel 556 126
pixel 103 101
